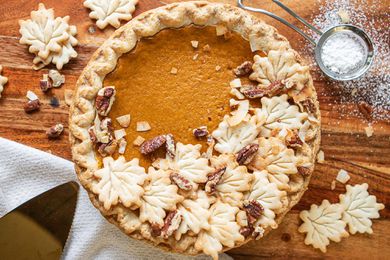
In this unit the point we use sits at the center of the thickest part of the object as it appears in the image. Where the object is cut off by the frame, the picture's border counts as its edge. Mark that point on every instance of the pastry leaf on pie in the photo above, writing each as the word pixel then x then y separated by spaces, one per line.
pixel 322 224
pixel 231 139
pixel 3 81
pixel 277 113
pixel 359 208
pixel 120 181
pixel 159 196
pixel 280 66
pixel 129 221
pixel 274 156
pixel 280 179
pixel 188 163
pixel 195 214
pixel 269 196
pixel 224 230
pixel 234 182
pixel 110 11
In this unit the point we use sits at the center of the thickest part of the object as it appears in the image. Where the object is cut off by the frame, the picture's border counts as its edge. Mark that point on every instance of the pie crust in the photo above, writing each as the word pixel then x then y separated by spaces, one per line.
pixel 275 178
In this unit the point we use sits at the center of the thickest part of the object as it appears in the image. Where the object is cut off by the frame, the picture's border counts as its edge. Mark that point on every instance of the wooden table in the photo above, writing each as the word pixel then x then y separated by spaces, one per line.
pixel 343 138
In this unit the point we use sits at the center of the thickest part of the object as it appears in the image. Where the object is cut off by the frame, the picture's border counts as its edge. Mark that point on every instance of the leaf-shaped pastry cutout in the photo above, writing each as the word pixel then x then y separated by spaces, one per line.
pixel 232 139
pixel 188 163
pixel 280 179
pixel 110 11
pixel 359 208
pixel 3 81
pixel 280 66
pixel 322 223
pixel 269 196
pixel 274 156
pixel 119 180
pixel 195 214
pixel 224 230
pixel 277 113
pixel 159 195
pixel 234 182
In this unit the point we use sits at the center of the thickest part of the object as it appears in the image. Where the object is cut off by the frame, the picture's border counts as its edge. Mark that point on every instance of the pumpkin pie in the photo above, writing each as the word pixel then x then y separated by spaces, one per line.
pixel 195 127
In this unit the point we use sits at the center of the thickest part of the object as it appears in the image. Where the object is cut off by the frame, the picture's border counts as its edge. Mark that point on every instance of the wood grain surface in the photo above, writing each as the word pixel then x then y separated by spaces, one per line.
pixel 343 138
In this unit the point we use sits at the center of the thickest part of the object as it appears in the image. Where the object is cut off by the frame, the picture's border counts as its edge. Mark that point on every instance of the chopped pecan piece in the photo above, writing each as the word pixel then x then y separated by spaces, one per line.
pixel 200 132
pixel 45 83
pixel 293 140
pixel 55 131
pixel 170 145
pixel 304 171
pixel 155 230
pixel 365 109
pixel 253 210
pixel 309 105
pixel 255 92
pixel 171 223
pixel 104 100
pixel 108 148
pixel 244 69
pixel 153 144
pixel 246 231
pixel 32 105
pixel 180 181
pixel 258 232
pixel 213 179
pixel 246 154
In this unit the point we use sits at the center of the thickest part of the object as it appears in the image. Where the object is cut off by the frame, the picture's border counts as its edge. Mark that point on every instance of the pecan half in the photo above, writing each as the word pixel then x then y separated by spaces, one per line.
pixel 255 92
pixel 304 171
pixel 253 210
pixel 200 132
pixel 170 145
pixel 309 105
pixel 171 223
pixel 293 140
pixel 180 181
pixel 104 100
pixel 244 69
pixel 153 144
pixel 365 109
pixel 155 230
pixel 213 179
pixel 246 231
pixel 246 154
pixel 31 106
pixel 55 131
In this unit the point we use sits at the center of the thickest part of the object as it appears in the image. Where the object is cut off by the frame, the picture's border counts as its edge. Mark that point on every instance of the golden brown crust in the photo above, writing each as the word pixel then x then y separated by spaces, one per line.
pixel 104 60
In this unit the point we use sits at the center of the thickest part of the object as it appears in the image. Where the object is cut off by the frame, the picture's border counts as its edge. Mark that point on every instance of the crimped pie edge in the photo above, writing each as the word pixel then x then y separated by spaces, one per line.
pixel 123 40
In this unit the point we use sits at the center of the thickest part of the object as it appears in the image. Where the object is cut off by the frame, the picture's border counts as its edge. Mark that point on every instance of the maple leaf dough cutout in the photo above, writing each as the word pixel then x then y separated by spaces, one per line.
pixel 231 139
pixel 278 113
pixel 3 81
pixel 110 11
pixel 160 195
pixel 322 224
pixel 188 163
pixel 274 156
pixel 280 66
pixel 359 208
pixel 119 180
pixel 195 214
pixel 224 230
pixel 234 182
pixel 269 196
pixel 50 39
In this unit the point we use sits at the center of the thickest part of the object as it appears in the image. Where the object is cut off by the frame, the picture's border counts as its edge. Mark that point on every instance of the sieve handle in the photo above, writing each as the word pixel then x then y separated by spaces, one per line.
pixel 285 22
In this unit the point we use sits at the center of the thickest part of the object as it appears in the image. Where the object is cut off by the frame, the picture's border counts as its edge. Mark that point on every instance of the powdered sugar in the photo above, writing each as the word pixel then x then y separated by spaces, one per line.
pixel 343 53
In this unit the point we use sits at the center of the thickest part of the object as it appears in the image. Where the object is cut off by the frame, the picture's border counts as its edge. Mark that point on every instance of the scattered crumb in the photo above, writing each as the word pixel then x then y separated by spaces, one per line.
pixel 206 48
pixel 138 141
pixel 235 83
pixel 31 95
pixel 217 68
pixel 333 185
pixel 91 29
pixel 236 93
pixel 122 146
pixel 195 57
pixel 57 78
pixel 354 91
pixel 195 44
pixel 221 30
pixel 119 133
pixel 124 121
pixel 320 157
pixel 369 130
pixel 343 176
pixel 54 102
pixel 68 96
pixel 174 71
pixel 344 16
pixel 143 126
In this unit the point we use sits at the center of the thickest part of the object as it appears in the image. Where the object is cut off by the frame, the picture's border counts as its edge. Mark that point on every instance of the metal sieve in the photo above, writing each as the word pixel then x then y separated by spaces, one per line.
pixel 354 31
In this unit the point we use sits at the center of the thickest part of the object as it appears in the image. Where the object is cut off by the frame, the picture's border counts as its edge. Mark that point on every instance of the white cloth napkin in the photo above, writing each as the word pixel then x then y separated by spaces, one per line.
pixel 26 172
